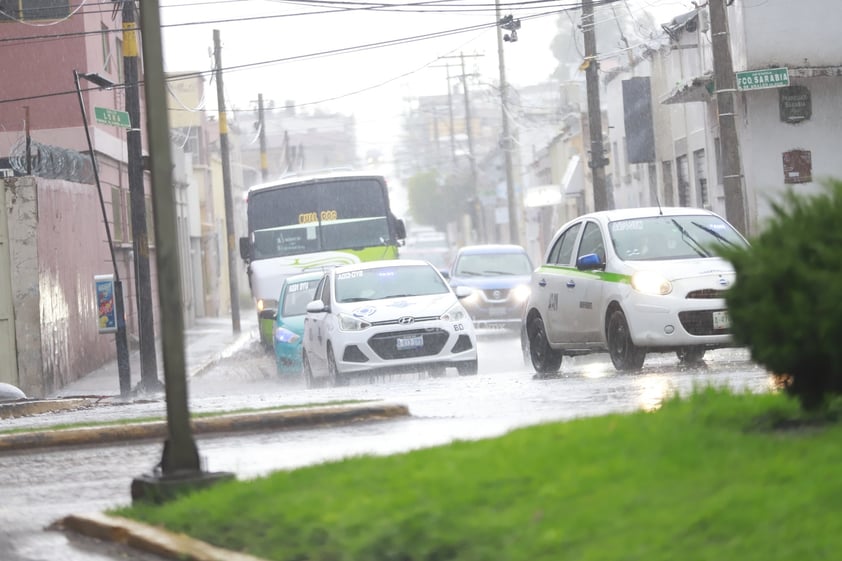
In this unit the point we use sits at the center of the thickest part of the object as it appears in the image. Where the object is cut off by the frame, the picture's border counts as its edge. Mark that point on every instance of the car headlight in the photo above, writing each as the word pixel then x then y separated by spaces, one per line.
pixel 347 322
pixel 650 282
pixel 284 335
pixel 521 292
pixel 263 304
pixel 455 313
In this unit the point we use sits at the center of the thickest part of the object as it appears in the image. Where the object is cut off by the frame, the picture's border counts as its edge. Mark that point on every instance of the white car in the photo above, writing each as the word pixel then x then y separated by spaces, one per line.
pixel 629 282
pixel 384 317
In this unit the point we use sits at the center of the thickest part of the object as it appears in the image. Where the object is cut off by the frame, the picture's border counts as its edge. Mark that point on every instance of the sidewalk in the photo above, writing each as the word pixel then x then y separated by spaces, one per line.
pixel 205 342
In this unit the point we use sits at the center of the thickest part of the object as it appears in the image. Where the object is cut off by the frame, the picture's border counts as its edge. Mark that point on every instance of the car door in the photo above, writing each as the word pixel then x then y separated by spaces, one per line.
pixel 549 286
pixel 315 340
pixel 585 305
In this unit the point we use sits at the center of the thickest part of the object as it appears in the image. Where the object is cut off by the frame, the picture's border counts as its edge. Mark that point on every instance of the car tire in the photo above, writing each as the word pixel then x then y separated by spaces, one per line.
pixel 545 359
pixel 624 353
pixel 335 378
pixel 467 368
pixel 308 372
pixel 690 355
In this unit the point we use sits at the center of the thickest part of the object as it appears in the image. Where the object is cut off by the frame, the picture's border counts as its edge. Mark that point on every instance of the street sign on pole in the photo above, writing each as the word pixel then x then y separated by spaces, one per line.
pixel 762 79
pixel 107 116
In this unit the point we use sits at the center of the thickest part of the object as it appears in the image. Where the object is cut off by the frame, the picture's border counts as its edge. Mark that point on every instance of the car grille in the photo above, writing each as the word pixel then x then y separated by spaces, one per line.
pixel 397 321
pixel 496 294
pixel 386 346
pixel 706 293
pixel 700 322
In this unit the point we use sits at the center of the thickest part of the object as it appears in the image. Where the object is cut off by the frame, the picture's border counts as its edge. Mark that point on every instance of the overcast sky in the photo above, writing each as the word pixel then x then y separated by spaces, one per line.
pixel 375 84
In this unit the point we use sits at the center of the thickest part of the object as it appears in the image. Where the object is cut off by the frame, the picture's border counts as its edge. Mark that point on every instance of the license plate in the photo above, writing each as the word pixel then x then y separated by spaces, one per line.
pixel 721 320
pixel 405 343
pixel 497 312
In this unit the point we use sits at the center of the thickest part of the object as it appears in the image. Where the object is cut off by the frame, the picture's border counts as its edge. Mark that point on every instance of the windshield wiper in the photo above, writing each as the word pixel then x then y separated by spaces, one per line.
pixel 685 236
pixel 715 234
pixel 355 299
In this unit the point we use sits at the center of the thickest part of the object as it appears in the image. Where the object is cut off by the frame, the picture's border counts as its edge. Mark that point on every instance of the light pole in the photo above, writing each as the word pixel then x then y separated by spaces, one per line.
pixel 511 24
pixel 123 365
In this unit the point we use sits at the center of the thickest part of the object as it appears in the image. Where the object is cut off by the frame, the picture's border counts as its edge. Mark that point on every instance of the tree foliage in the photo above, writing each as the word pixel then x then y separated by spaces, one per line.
pixel 786 305
pixel 434 202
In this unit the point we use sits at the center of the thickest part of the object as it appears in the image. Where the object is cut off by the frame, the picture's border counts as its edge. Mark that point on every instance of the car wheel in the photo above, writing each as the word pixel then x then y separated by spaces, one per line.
pixel 690 355
pixel 624 353
pixel 467 368
pixel 335 378
pixel 545 359
pixel 308 372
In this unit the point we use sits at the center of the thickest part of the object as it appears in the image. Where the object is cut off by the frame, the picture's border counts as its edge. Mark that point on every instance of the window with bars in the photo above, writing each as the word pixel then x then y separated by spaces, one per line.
pixel 30 10
pixel 117 233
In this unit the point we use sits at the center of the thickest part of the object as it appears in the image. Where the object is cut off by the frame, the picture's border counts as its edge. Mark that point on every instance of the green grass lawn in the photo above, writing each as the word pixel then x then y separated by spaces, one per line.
pixel 710 477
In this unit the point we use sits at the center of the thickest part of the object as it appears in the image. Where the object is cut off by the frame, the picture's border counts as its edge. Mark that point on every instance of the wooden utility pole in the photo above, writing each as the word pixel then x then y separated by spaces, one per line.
pixel 725 83
pixel 514 230
pixel 140 237
pixel 264 161
pixel 597 161
pixel 226 186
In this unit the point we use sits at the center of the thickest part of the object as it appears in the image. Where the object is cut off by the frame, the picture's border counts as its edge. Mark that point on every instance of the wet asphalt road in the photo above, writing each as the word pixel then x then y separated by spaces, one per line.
pixel 38 487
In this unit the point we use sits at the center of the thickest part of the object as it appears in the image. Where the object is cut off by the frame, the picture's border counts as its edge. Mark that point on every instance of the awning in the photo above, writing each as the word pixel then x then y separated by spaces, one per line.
pixel 542 195
pixel 699 88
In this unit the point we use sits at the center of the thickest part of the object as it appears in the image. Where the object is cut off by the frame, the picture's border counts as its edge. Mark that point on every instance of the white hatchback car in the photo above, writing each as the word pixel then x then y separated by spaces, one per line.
pixel 386 317
pixel 629 282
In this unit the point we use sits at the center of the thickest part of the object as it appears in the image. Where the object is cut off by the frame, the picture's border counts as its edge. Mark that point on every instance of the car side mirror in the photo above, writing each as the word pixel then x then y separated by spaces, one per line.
pixel 316 306
pixel 445 273
pixel 463 291
pixel 268 313
pixel 589 262
pixel 244 249
pixel 400 229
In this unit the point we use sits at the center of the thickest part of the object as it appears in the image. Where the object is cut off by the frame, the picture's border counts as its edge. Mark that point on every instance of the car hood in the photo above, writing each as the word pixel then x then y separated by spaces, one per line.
pixel 394 308
pixel 294 324
pixel 685 268
pixel 488 283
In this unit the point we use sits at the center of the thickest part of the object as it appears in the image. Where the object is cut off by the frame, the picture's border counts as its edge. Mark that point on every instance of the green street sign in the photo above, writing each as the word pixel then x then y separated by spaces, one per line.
pixel 107 116
pixel 762 79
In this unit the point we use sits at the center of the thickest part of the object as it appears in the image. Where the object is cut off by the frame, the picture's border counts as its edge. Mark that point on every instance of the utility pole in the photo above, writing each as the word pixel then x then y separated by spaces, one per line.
pixel 180 468
pixel 264 161
pixel 514 230
pixel 140 237
pixel 226 185
pixel 449 112
pixel 725 82
pixel 598 160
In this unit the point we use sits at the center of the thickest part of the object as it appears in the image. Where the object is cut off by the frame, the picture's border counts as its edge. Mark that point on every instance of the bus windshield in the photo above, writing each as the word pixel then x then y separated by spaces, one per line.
pixel 309 217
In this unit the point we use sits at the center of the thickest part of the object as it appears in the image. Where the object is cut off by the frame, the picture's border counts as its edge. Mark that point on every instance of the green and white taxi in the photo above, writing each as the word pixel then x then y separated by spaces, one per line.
pixel 630 282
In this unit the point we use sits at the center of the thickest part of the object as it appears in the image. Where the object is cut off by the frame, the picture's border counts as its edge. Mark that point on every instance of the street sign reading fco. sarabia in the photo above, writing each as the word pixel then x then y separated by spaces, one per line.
pixel 761 79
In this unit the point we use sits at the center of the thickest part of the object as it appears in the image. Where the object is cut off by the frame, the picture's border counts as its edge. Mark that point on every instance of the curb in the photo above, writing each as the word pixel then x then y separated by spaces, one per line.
pixel 147 538
pixel 25 408
pixel 254 422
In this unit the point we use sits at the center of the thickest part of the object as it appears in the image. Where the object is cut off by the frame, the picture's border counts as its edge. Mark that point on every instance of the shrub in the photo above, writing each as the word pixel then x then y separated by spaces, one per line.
pixel 786 305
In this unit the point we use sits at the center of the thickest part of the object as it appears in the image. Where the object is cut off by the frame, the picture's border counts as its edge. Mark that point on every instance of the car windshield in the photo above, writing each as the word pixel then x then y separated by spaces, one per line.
pixel 672 237
pixel 297 296
pixel 388 282
pixel 493 264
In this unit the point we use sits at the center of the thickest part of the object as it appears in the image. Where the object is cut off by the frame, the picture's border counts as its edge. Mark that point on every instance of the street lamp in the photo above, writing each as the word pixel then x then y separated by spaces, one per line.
pixel 123 365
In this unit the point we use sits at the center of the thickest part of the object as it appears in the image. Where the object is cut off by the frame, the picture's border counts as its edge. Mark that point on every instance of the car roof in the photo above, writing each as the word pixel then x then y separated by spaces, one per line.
pixel 301 277
pixel 491 248
pixel 646 212
pixel 380 264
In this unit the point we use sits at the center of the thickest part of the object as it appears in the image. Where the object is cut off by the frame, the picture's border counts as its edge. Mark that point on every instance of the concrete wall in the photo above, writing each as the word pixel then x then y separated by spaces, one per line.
pixel 57 245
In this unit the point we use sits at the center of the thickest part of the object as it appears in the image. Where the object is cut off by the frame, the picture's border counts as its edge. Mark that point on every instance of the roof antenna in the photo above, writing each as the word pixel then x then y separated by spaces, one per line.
pixel 658 200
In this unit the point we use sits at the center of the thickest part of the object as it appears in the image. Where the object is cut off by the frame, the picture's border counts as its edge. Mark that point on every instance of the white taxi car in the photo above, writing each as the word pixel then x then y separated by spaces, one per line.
pixel 390 316
pixel 629 282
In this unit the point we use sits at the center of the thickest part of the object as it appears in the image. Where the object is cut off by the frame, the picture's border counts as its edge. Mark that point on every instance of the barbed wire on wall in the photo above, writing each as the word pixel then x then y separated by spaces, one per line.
pixel 51 162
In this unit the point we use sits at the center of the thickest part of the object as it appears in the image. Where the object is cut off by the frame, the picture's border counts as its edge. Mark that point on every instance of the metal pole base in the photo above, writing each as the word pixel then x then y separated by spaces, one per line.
pixel 159 488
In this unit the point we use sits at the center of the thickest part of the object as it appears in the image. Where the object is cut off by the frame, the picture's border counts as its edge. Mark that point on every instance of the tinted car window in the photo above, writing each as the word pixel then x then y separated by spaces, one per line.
pixel 563 249
pixel 592 241
pixel 485 264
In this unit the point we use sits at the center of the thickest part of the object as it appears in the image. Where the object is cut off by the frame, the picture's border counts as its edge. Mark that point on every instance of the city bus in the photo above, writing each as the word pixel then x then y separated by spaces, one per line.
pixel 305 223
